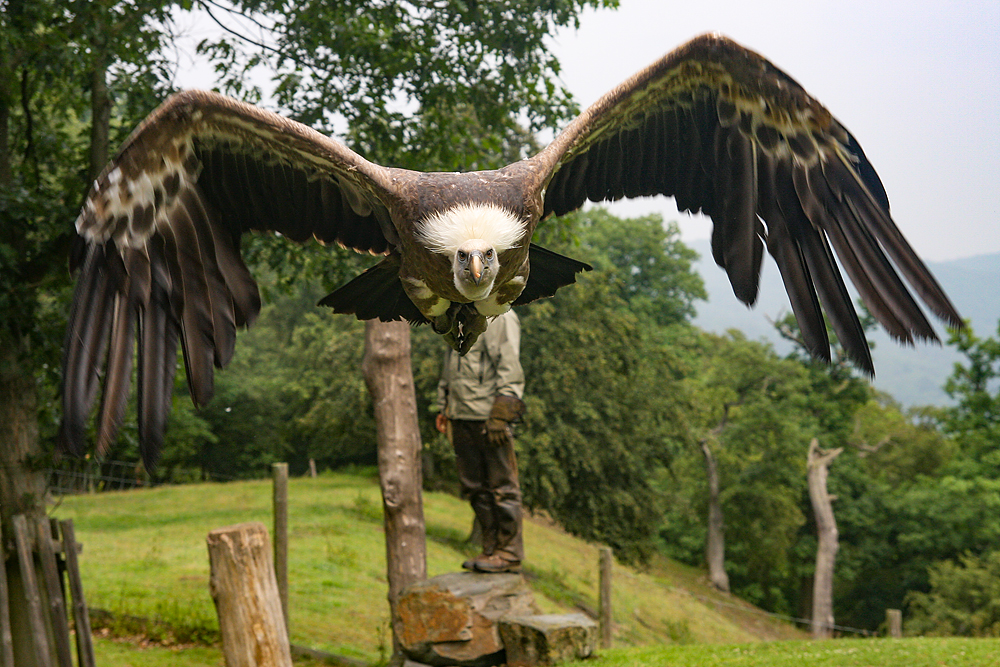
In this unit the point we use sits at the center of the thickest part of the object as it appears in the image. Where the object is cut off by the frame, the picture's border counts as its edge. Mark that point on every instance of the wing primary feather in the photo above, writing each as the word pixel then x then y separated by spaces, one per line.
pixel 218 294
pixel 157 359
pixel 735 244
pixel 87 336
pixel 120 353
pixel 184 261
pixel 875 281
pixel 791 264
pixel 880 224
pixel 829 284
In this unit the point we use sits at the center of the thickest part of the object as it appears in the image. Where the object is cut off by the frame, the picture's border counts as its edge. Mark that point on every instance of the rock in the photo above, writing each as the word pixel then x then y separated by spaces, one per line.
pixel 547 639
pixel 453 619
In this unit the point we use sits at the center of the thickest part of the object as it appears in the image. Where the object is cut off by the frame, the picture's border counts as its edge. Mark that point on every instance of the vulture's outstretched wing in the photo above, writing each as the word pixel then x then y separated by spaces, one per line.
pixel 159 251
pixel 726 133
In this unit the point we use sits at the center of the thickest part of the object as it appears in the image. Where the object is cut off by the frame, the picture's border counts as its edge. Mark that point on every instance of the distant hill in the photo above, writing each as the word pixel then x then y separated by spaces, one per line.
pixel 914 376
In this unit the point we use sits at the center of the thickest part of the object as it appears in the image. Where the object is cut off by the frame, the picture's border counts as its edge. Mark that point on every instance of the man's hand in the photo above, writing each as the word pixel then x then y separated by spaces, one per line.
pixel 441 422
pixel 505 410
pixel 497 432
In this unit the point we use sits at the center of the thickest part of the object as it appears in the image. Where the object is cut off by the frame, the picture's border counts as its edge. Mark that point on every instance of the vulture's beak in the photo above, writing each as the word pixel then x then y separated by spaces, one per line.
pixel 476 266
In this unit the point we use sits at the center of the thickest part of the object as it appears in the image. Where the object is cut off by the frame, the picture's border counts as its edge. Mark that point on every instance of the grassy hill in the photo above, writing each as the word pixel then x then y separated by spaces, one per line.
pixel 144 556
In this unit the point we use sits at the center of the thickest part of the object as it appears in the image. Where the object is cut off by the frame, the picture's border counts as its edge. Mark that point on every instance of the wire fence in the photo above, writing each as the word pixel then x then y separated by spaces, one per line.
pixel 784 617
pixel 75 476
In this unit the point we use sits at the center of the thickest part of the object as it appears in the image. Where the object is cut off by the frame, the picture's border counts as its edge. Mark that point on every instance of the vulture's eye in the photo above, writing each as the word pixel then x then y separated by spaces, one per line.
pixel 489 254
pixel 462 256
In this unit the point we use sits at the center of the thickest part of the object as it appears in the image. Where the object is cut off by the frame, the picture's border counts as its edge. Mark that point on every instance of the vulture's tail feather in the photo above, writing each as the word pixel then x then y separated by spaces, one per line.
pixel 549 271
pixel 376 294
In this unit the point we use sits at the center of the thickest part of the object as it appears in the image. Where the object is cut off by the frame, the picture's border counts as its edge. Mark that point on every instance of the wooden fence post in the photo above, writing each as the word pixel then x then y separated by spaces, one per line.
pixel 607 560
pixel 81 616
pixel 894 619
pixel 36 621
pixel 54 590
pixel 6 635
pixel 246 597
pixel 280 471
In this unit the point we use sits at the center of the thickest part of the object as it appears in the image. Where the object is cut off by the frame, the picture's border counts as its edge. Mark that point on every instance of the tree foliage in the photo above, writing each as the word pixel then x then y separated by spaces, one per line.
pixel 964 598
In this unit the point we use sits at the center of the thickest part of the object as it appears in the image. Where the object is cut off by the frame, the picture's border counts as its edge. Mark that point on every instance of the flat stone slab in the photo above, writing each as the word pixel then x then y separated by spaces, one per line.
pixel 547 639
pixel 453 619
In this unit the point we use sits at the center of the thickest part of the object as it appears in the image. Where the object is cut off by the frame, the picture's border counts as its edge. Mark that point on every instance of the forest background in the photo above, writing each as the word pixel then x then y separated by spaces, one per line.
pixel 626 399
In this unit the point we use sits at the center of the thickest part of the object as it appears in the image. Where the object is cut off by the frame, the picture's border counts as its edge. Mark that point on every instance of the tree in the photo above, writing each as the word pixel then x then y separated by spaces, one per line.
pixel 964 598
pixel 819 461
pixel 603 381
pixel 975 420
pixel 45 137
pixel 743 415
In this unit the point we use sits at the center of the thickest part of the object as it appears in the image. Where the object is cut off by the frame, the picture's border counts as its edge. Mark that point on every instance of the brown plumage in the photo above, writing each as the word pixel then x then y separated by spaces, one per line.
pixel 712 124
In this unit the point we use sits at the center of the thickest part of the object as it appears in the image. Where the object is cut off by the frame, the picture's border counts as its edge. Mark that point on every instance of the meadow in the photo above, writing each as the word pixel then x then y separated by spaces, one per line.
pixel 145 562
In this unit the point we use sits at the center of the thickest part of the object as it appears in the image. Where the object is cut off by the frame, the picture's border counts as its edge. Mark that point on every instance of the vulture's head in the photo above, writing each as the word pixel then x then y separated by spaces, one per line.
pixel 475 266
pixel 472 236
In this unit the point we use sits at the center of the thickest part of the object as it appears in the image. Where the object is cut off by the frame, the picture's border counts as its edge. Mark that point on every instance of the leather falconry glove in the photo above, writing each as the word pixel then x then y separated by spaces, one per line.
pixel 505 410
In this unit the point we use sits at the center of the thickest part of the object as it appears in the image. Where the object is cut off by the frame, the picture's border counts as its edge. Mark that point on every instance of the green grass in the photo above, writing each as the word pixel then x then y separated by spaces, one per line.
pixel 909 652
pixel 145 556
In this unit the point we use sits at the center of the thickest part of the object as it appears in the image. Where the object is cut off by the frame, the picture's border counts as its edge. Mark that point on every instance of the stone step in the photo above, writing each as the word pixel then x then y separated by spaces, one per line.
pixel 469 619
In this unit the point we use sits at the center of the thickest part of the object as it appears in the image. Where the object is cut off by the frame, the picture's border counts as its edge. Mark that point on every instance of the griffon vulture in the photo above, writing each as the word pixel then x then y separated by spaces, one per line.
pixel 712 124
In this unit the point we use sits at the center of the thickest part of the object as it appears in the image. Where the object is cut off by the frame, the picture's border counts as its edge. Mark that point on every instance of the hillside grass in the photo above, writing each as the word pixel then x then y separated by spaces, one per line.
pixel 145 556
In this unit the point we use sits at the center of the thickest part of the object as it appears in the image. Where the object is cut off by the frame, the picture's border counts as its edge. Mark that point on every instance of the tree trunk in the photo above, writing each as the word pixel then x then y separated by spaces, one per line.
pixel 715 541
pixel 826 529
pixel 22 485
pixel 389 377
pixel 100 107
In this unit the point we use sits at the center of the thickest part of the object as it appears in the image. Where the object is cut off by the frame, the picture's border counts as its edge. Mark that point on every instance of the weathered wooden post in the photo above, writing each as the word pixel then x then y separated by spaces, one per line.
pixel 280 471
pixel 607 560
pixel 6 636
pixel 81 616
pixel 54 592
pixel 894 619
pixel 246 597
pixel 36 621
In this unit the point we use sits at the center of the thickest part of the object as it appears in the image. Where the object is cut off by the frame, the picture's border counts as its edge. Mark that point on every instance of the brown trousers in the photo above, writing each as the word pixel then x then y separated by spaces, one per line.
pixel 488 475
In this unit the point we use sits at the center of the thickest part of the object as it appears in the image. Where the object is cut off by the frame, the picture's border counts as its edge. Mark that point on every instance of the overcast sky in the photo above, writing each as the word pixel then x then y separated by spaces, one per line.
pixel 917 83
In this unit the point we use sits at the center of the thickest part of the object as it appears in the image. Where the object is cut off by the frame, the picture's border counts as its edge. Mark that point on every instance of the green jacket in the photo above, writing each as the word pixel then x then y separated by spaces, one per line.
pixel 492 367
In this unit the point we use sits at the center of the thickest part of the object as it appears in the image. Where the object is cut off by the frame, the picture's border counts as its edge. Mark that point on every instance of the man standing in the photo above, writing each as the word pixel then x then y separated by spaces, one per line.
pixel 479 395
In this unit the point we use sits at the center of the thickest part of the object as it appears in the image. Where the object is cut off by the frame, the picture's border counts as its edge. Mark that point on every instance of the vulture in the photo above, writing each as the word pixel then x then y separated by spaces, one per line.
pixel 712 124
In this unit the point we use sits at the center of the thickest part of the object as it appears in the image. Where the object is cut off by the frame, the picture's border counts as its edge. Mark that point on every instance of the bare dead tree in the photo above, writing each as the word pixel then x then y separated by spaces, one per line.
pixel 818 463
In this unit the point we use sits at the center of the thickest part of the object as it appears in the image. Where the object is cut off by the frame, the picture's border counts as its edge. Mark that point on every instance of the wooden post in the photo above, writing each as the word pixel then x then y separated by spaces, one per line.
pixel 54 590
pixel 81 616
pixel 39 634
pixel 280 471
pixel 6 636
pixel 246 597
pixel 894 619
pixel 607 560
pixel 312 468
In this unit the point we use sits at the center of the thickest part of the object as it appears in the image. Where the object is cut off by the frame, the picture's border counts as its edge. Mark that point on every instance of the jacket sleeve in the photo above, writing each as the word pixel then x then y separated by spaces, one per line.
pixel 510 375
